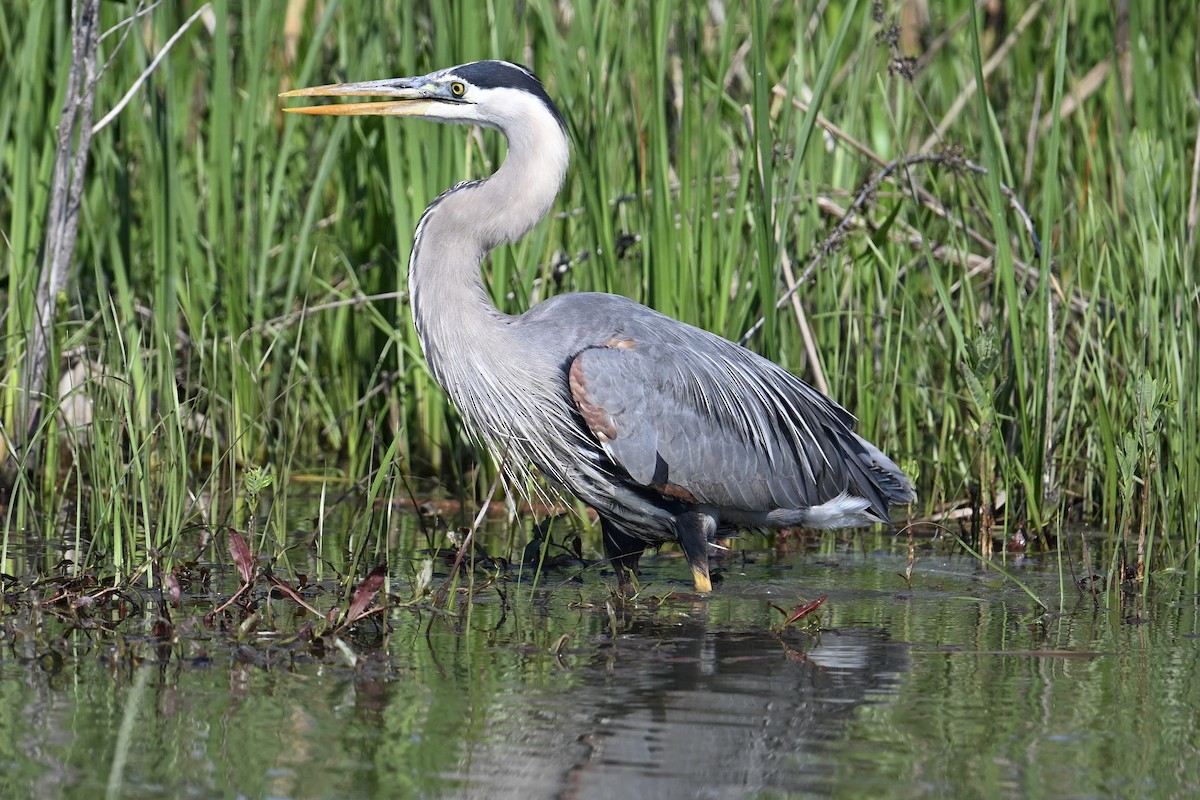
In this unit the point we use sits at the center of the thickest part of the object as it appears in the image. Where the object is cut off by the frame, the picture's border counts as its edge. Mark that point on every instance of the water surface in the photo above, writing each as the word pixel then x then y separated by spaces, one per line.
pixel 957 685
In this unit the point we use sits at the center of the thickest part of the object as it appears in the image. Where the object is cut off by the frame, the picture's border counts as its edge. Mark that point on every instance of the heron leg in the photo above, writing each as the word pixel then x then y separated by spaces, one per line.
pixel 623 551
pixel 694 529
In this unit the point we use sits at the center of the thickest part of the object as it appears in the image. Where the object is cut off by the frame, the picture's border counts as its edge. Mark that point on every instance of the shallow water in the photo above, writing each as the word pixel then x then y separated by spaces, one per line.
pixel 956 686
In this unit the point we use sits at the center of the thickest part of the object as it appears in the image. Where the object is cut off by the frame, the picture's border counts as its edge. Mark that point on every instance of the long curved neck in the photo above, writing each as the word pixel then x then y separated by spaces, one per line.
pixel 454 317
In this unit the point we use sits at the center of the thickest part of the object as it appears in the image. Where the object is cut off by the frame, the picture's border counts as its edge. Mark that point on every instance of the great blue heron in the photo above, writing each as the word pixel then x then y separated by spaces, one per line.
pixel 669 432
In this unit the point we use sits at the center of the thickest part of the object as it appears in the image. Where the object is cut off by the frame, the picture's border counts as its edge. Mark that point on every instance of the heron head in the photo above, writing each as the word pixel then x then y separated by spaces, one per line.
pixel 491 93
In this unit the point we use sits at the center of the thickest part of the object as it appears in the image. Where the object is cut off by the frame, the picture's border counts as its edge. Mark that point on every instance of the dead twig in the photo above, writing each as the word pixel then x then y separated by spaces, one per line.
pixel 995 61
pixel 837 236
pixel 62 218
pixel 166 48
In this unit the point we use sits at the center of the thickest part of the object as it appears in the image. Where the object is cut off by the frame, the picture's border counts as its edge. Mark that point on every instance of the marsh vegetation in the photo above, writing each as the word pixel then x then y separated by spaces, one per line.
pixel 975 227
pixel 1000 284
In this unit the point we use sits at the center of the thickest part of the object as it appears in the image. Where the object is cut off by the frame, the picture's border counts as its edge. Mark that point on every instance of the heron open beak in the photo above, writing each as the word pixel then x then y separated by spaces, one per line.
pixel 406 98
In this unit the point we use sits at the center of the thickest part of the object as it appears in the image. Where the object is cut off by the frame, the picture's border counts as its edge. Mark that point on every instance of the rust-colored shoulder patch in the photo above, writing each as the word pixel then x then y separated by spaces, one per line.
pixel 678 492
pixel 598 420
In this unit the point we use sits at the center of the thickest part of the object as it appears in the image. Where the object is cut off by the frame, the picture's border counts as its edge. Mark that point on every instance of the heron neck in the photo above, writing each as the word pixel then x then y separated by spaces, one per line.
pixel 450 304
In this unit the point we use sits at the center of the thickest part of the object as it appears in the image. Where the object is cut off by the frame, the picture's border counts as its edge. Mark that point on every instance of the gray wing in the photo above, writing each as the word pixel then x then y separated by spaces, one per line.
pixel 699 418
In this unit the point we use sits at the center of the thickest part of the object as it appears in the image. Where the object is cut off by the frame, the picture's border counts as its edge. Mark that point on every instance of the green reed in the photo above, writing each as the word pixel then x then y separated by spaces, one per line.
pixel 240 300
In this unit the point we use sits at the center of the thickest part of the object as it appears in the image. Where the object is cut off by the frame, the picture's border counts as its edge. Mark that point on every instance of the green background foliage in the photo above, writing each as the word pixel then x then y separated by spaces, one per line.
pixel 239 295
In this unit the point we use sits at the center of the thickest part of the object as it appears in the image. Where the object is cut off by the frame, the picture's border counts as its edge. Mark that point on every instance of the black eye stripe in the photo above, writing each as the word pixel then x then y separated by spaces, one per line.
pixel 485 75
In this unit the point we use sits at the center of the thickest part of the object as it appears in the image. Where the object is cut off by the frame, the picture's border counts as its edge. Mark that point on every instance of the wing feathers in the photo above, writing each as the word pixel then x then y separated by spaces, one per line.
pixel 703 419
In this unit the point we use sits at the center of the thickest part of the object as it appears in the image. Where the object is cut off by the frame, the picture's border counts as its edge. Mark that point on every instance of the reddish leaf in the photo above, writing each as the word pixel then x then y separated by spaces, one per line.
pixel 173 592
pixel 365 592
pixel 285 588
pixel 804 610
pixel 243 559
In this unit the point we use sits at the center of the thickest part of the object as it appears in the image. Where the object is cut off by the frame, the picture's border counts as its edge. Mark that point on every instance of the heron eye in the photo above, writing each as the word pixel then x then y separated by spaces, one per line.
pixel 458 88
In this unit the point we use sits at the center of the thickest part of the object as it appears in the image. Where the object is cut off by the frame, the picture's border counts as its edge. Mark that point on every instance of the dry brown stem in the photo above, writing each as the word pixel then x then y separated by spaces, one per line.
pixel 62 218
